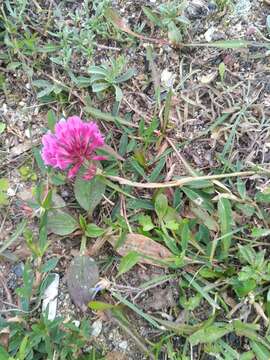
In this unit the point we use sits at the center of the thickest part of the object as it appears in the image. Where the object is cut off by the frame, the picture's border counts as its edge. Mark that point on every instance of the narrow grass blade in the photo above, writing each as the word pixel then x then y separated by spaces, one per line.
pixel 19 230
pixel 201 290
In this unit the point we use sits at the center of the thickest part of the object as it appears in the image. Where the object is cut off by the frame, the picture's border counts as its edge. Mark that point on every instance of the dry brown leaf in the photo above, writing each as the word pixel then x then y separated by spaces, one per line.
pixel 144 246
pixel 116 355
pixel 4 337
pixel 121 24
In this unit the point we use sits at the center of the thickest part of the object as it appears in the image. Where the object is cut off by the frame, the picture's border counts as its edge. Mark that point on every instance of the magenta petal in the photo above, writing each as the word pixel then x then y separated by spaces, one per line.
pixel 90 173
pixel 73 142
pixel 74 170
pixel 99 157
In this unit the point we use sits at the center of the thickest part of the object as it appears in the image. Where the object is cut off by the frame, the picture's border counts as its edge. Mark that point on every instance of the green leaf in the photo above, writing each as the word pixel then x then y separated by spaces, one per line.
pixel 2 127
pixel 46 91
pixel 89 193
pixel 146 222
pixel 210 334
pixel 151 16
pixel 222 70
pixel 126 76
pixel 51 120
pixel 225 218
pixel 243 288
pixel 19 230
pixel 128 261
pixel 229 44
pixel 260 232
pixel 161 205
pixel 100 306
pixel 201 290
pixel 157 170
pixel 247 253
pixel 4 355
pixel 4 184
pixel 118 93
pixel 23 348
pixel 185 235
pixel 49 265
pixel 174 34
pixel 260 351
pixel 199 198
pixel 61 223
pixel 93 231
pixel 263 196
pixel 97 70
pixel 100 86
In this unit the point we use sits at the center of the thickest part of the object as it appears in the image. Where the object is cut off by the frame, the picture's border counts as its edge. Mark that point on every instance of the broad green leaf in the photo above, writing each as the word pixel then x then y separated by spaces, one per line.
pixel 4 355
pixel 247 253
pixel 126 76
pixel 93 231
pixel 61 223
pixel 225 218
pixel 199 198
pixel 89 193
pixel 205 218
pixel 146 222
pixel 97 70
pixel 2 127
pixel 259 232
pixel 243 288
pixel 4 184
pixel 151 16
pixel 46 91
pixel 161 205
pixel 128 261
pixel 210 334
pixel 263 196
pixel 100 86
pixel 100 305
pixel 139 204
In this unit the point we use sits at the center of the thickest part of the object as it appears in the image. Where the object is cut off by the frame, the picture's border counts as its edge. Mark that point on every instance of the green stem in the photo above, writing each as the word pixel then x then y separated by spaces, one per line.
pixel 83 245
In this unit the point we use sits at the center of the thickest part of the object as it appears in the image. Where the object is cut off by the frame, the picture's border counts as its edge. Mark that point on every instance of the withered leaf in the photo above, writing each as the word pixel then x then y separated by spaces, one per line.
pixel 144 246
pixel 82 276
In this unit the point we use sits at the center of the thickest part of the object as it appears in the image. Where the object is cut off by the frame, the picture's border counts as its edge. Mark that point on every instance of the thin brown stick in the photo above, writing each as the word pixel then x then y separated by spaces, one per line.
pixel 180 182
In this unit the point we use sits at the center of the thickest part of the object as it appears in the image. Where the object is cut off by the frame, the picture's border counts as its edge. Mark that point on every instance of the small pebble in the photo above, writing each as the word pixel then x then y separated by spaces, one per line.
pixel 123 345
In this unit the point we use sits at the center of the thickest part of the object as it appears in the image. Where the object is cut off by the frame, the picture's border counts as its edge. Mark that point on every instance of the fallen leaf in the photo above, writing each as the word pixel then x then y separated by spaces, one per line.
pixel 144 246
pixel 4 337
pixel 160 299
pixel 116 355
pixel 82 276
pixel 121 24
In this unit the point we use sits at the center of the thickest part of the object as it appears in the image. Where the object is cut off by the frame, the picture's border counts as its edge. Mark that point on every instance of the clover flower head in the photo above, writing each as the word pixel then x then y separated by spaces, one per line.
pixel 72 145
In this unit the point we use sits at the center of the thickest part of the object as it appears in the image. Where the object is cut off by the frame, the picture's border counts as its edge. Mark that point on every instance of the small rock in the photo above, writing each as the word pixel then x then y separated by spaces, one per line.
pixel 123 345
pixel 96 328
pixel 11 192
pixel 18 270
pixel 167 78
pixel 209 34
pixel 50 298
